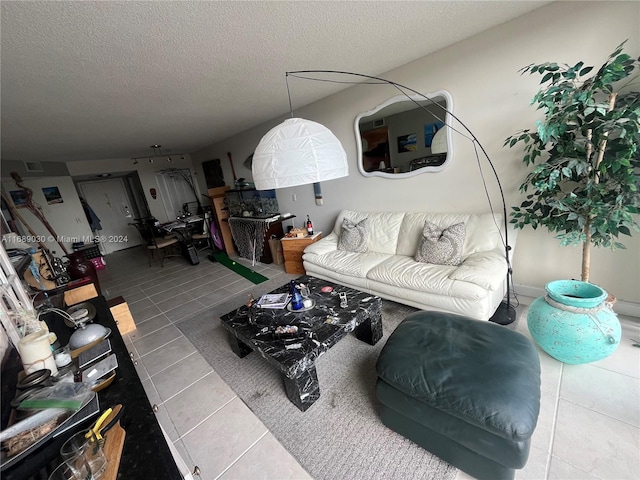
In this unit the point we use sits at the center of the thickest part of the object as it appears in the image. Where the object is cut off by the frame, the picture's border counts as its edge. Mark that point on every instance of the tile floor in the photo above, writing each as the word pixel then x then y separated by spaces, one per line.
pixel 588 428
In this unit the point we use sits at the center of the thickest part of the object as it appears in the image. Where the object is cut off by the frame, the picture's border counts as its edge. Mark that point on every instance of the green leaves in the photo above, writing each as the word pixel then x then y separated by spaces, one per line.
pixel 584 184
pixel 585 70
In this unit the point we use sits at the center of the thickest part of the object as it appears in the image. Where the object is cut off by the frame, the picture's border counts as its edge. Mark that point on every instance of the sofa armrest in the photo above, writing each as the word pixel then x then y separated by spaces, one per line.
pixel 324 245
pixel 485 269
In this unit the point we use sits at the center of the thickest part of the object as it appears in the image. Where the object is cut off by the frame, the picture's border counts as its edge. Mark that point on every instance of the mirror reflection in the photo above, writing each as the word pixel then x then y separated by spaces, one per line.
pixel 399 139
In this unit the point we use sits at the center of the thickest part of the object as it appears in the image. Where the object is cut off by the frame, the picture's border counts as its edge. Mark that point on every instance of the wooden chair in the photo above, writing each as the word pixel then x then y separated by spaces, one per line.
pixel 204 235
pixel 156 244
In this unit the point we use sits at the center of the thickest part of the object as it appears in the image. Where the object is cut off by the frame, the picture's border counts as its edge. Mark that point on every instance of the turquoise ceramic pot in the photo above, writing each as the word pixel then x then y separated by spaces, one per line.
pixel 573 324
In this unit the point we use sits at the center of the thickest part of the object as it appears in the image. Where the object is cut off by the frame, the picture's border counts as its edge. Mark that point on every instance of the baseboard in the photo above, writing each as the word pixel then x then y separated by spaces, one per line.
pixel 621 307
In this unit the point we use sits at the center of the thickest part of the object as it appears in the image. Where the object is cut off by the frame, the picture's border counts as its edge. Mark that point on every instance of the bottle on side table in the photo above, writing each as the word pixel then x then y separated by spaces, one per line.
pixel 309 226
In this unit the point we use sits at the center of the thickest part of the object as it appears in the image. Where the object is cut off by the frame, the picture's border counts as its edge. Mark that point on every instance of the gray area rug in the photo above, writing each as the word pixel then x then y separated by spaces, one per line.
pixel 341 435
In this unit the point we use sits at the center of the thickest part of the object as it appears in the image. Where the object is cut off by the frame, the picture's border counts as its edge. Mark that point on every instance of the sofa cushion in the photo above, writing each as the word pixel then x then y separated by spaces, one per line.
pixel 383 229
pixel 486 269
pixel 441 246
pixel 354 236
pixel 482 231
pixel 348 263
pixel 405 273
pixel 412 227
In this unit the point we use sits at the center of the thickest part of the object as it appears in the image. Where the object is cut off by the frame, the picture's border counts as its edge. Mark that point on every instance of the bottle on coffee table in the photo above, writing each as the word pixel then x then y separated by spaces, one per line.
pixel 296 297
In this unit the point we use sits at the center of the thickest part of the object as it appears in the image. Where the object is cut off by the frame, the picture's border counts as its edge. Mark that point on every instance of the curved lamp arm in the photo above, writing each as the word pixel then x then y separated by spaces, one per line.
pixel 469 135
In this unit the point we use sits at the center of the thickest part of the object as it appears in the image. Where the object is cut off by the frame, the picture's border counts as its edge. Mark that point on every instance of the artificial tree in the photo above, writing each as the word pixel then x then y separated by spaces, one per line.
pixel 585 154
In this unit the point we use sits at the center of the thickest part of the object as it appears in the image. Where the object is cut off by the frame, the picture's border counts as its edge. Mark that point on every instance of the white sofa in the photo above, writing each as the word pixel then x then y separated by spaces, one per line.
pixel 474 288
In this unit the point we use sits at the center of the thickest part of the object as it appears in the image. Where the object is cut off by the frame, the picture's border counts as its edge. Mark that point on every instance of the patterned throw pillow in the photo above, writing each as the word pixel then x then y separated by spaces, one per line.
pixel 441 247
pixel 353 236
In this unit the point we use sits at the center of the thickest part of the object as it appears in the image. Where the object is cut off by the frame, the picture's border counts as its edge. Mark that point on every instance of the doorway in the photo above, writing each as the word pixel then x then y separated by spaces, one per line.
pixel 112 203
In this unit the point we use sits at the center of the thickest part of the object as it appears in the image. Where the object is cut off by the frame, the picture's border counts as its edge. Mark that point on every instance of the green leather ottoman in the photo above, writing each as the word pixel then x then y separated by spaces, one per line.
pixel 466 390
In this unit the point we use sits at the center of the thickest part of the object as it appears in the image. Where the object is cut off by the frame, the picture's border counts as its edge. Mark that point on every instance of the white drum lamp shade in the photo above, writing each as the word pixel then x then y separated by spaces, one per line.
pixel 298 152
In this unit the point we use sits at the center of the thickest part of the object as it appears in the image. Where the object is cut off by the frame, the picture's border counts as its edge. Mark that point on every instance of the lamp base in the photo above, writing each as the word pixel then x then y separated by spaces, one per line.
pixel 504 315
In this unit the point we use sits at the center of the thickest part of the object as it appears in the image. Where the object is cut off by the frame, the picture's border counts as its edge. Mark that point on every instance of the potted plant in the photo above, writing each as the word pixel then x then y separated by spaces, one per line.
pixel 585 154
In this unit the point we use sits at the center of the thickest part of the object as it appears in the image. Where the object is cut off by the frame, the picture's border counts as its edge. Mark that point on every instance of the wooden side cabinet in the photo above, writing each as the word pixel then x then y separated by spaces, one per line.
pixel 292 249
pixel 217 197
pixel 122 315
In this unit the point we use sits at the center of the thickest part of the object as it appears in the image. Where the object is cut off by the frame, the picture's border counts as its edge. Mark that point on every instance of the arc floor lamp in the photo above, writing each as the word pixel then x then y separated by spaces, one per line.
pixel 300 152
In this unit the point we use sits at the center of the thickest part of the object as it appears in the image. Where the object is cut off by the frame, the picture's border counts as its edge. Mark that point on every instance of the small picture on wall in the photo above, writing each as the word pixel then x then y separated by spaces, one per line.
pixel 19 198
pixel 213 173
pixel 407 143
pixel 430 130
pixel 52 195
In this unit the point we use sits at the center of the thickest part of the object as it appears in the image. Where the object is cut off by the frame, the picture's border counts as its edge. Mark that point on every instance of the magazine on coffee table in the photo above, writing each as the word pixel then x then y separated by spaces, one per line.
pixel 274 300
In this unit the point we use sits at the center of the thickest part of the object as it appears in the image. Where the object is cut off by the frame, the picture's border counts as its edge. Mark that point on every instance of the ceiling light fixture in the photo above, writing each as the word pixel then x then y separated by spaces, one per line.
pixel 157 153
pixel 299 152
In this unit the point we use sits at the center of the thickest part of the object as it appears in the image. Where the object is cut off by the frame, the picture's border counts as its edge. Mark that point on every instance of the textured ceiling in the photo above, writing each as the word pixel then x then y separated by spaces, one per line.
pixel 106 79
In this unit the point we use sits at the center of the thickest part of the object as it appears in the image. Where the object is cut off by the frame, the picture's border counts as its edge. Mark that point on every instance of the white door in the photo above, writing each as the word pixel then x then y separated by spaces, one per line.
pixel 109 201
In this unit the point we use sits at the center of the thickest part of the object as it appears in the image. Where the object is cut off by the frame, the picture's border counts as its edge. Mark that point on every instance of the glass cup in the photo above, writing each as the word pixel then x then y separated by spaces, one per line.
pixel 89 448
pixel 304 291
pixel 73 468
pixel 306 295
pixel 62 356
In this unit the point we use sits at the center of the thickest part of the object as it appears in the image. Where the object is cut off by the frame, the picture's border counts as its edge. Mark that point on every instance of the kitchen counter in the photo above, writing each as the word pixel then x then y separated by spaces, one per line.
pixel 146 453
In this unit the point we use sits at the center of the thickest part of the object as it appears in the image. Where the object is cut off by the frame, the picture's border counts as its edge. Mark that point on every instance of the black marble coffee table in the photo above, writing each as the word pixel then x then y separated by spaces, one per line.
pixel 319 329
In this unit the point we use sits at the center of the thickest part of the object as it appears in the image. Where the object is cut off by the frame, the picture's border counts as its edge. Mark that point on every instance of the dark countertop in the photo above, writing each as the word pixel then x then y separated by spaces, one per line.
pixel 146 454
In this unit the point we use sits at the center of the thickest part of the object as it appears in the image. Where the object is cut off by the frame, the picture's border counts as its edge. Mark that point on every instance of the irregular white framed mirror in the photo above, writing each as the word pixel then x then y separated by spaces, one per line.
pixel 400 139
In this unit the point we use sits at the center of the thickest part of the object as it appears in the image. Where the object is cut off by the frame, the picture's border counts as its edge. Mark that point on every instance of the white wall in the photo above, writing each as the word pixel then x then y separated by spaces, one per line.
pixel 146 172
pixel 67 218
pixel 493 99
